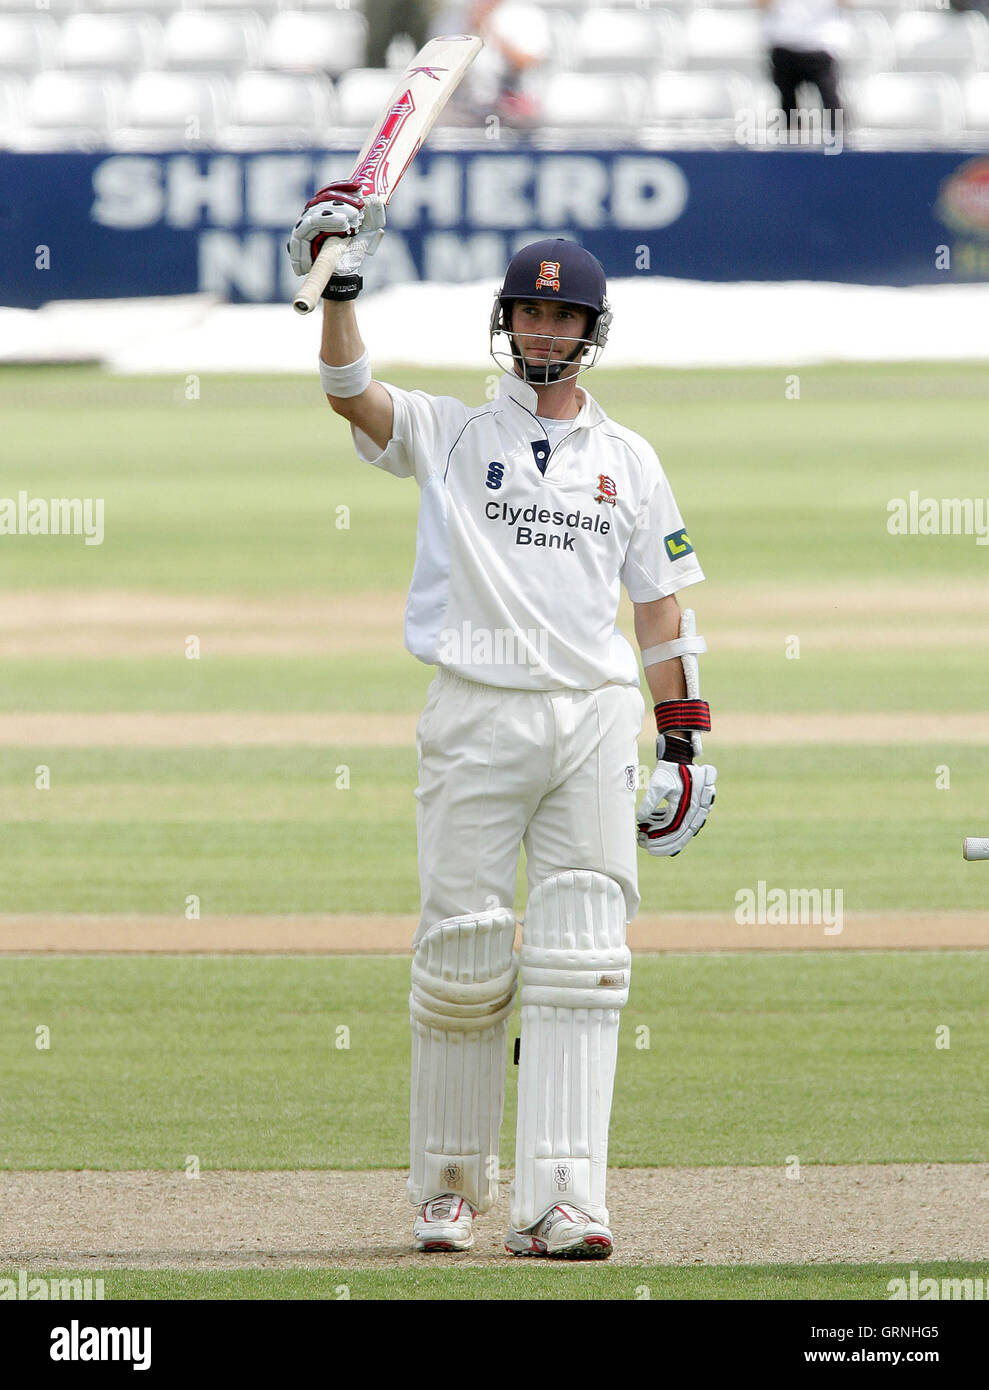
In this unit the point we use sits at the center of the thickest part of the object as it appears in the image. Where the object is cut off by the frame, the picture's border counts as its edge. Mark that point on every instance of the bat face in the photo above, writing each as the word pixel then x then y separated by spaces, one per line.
pixel 373 172
pixel 420 95
pixel 422 92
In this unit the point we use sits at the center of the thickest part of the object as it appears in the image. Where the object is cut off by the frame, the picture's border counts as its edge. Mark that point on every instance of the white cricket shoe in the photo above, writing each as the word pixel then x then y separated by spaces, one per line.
pixel 566 1233
pixel 445 1223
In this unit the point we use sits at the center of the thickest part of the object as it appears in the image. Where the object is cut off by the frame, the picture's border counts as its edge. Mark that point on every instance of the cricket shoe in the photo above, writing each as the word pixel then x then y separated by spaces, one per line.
pixel 445 1223
pixel 564 1233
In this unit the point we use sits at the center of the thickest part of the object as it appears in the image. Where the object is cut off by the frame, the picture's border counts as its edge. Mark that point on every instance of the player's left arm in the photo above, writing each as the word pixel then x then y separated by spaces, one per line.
pixel 680 793
pixel 656 623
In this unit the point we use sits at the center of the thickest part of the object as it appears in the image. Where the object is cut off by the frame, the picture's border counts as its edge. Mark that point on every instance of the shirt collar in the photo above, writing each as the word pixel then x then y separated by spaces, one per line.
pixel 515 389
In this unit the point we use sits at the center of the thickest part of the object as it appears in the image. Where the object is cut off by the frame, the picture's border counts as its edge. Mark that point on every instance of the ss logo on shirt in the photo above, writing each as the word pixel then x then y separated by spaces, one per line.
pixel 496 472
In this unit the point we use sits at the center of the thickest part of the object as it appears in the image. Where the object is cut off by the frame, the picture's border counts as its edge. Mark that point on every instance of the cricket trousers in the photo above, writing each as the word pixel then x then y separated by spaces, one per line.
pixel 553 771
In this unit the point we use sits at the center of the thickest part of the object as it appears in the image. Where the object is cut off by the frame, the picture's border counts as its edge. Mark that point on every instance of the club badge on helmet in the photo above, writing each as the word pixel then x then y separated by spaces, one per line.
pixel 560 270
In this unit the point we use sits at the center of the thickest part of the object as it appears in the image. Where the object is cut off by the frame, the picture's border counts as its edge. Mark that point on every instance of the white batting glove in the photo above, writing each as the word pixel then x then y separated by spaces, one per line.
pixel 337 210
pixel 675 806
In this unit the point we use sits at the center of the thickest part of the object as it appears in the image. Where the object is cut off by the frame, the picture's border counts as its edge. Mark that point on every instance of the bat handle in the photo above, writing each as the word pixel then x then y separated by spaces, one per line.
pixel 312 287
pixel 691 676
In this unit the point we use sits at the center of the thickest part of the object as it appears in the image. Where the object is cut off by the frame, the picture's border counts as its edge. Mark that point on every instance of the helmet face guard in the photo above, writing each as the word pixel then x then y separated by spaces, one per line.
pixel 561 272
pixel 511 356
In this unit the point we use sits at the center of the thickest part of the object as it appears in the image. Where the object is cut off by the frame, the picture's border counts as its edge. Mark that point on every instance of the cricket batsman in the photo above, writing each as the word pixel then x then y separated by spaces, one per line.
pixel 535 509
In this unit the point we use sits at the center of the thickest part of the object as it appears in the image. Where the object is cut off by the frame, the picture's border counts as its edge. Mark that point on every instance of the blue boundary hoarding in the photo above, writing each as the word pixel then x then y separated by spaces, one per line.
pixel 106 225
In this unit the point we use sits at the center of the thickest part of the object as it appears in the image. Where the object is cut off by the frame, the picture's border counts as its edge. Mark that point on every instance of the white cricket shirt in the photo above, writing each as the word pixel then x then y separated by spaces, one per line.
pixel 522 544
pixel 808 26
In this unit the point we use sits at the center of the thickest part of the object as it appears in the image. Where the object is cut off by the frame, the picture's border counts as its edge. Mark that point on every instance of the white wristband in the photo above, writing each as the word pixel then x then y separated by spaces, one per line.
pixel 346 381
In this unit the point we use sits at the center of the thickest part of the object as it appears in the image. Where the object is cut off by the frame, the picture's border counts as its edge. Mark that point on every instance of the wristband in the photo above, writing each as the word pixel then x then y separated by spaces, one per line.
pixel 682 714
pixel 341 287
pixel 346 381
pixel 671 748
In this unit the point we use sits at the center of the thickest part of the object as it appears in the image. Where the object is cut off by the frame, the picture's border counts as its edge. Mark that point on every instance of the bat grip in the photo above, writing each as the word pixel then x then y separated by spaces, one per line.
pixel 312 287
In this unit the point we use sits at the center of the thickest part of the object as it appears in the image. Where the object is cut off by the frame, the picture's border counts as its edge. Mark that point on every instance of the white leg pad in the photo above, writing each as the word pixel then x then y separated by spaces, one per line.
pixel 464 974
pixel 575 977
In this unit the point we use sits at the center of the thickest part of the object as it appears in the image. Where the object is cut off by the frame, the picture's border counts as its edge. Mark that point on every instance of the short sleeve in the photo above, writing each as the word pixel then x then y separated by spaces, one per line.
pixel 423 431
pixel 660 558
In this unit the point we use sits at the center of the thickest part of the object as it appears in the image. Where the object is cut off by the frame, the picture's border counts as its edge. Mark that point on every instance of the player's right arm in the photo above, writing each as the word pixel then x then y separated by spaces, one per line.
pixel 372 410
pixel 341 210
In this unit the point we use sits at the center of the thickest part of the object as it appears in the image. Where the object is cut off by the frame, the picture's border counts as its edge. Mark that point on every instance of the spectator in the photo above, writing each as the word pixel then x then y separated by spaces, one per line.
pixel 801 35
pixel 390 19
pixel 517 41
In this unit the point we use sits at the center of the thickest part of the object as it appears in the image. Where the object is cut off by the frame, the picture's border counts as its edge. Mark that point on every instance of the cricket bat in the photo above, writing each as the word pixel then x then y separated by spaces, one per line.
pixel 423 90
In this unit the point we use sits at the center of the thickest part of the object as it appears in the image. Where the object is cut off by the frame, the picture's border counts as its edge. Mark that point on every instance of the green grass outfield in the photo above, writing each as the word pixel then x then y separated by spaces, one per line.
pixel 237 491
pixel 726 1059
pixel 529 1281
pixel 243 493
pixel 270 830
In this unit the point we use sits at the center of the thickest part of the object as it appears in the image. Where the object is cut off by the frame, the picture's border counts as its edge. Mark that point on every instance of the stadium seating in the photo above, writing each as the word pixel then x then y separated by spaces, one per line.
pixel 596 104
pixel 610 40
pixel 865 45
pixel 362 93
pixel 939 42
pixel 162 110
pixel 716 40
pixel 278 110
pixel 213 42
pixel 975 94
pixel 708 100
pixel 912 103
pixel 280 72
pixel 28 43
pixel 67 110
pixel 110 42
pixel 12 95
pixel 53 8
pixel 301 41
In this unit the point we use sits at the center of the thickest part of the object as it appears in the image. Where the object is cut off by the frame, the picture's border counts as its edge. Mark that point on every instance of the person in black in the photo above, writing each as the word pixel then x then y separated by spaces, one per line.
pixel 800 35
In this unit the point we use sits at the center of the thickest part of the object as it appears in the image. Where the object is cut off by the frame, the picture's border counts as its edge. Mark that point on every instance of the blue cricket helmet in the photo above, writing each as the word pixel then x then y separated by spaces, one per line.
pixel 553 269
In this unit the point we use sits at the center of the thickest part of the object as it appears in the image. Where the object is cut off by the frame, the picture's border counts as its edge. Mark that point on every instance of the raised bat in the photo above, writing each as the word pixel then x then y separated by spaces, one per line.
pixel 423 90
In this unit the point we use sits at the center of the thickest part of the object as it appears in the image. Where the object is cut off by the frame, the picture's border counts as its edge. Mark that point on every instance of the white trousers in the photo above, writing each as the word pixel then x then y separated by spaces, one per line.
pixel 554 771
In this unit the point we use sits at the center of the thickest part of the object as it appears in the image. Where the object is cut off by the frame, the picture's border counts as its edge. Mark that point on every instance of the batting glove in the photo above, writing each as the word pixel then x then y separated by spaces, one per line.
pixel 339 209
pixel 676 804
